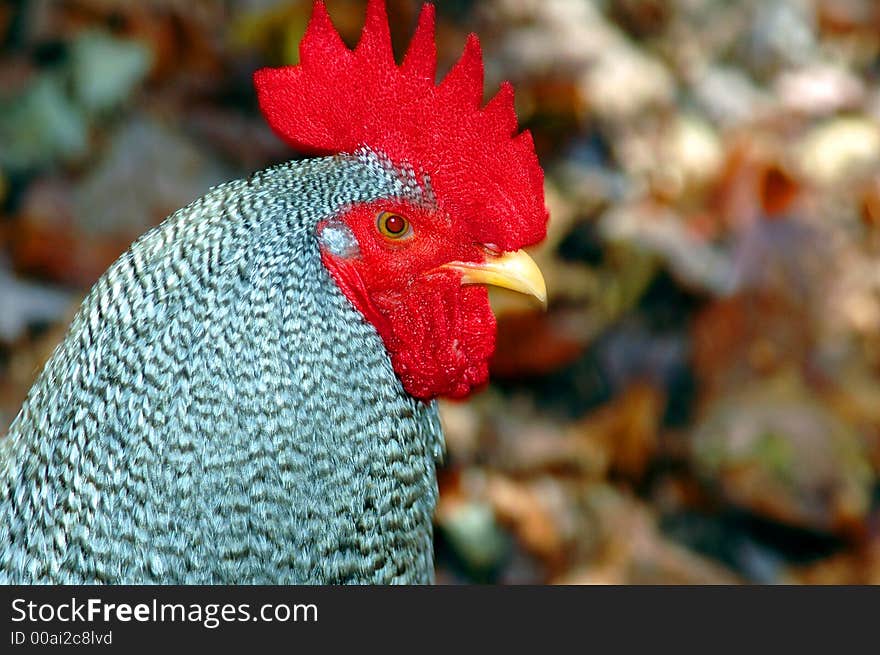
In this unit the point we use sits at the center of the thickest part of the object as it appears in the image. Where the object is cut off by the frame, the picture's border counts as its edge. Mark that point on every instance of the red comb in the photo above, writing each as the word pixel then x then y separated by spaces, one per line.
pixel 339 100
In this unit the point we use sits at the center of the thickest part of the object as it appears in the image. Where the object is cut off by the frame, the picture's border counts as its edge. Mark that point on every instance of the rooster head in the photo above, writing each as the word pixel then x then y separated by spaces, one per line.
pixel 471 192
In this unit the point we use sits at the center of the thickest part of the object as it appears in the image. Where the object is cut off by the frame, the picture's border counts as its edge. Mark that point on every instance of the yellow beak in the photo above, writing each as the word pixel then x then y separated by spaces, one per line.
pixel 511 270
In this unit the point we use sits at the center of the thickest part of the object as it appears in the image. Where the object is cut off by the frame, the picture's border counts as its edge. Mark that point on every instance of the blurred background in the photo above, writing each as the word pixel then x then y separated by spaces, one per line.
pixel 701 402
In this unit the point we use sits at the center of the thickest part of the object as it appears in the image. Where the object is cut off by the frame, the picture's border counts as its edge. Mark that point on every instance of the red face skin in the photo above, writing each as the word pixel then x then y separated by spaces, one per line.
pixel 438 333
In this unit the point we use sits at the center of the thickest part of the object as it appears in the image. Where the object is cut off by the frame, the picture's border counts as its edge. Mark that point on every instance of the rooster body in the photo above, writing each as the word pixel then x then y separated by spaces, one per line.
pixel 247 394
pixel 222 330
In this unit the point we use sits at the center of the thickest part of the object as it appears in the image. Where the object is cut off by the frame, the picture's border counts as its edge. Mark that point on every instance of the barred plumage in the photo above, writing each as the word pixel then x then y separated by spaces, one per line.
pixel 220 413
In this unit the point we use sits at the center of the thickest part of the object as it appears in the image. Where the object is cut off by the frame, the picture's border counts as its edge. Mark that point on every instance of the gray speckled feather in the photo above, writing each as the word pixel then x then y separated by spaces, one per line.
pixel 220 413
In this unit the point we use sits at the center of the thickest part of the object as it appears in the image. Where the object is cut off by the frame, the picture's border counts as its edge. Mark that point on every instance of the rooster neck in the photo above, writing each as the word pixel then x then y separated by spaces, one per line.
pixel 219 412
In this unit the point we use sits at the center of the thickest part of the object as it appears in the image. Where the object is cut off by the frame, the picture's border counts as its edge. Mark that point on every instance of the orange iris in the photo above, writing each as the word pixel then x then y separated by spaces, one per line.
pixel 393 226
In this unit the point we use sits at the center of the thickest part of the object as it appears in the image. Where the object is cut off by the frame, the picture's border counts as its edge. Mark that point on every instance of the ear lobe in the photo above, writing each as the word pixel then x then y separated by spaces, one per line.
pixel 337 239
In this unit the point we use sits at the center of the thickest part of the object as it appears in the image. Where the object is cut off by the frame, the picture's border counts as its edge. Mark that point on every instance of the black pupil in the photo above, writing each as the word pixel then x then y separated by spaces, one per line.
pixel 394 224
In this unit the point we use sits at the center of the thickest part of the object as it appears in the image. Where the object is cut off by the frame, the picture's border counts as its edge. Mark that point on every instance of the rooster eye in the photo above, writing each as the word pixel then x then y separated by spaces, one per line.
pixel 393 226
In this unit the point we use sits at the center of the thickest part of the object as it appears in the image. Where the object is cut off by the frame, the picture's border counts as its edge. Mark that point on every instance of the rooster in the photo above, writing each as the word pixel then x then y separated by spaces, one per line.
pixel 248 394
